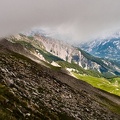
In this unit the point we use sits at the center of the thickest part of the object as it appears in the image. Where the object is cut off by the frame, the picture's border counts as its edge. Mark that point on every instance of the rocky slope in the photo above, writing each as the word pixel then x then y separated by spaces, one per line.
pixel 29 90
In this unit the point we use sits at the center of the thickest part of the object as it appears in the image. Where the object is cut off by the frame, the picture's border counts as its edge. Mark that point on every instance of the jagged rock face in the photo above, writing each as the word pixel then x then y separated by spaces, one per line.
pixel 32 91
pixel 65 52
pixel 62 50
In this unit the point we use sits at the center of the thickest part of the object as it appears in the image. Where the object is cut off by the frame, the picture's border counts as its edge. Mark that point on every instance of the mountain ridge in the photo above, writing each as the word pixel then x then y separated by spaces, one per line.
pixel 104 47
pixel 67 53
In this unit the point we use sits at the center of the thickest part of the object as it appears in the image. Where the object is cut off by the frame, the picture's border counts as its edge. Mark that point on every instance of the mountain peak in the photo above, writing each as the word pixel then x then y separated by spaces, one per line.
pixel 104 47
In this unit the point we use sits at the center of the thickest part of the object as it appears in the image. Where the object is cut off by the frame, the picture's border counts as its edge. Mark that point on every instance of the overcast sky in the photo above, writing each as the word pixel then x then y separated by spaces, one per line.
pixel 79 19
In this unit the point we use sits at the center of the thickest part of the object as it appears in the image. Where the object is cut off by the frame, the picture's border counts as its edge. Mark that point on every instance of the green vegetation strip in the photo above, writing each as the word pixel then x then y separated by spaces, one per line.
pixel 111 86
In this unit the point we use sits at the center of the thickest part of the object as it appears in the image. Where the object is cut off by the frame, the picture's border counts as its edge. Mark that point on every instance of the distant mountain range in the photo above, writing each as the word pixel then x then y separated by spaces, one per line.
pixel 104 47
pixel 61 54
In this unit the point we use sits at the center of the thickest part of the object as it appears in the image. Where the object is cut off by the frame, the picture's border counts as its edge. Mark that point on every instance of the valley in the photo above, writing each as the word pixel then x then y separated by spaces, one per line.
pixel 110 85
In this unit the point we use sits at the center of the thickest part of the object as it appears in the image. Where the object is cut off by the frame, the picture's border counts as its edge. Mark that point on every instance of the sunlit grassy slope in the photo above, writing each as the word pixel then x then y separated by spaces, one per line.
pixel 112 85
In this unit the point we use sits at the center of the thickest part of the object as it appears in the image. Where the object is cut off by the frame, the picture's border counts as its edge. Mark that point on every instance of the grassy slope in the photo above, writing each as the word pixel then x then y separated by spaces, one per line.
pixel 110 86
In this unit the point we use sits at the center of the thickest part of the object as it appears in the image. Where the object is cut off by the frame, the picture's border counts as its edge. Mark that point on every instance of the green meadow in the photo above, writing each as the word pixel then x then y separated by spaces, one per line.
pixel 110 85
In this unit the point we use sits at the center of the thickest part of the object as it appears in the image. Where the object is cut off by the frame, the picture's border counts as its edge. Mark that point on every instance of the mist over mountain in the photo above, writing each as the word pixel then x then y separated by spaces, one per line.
pixel 104 47
pixel 80 19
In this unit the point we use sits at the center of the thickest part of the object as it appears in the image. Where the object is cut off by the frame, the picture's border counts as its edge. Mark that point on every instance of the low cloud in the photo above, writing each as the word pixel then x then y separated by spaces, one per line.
pixel 78 19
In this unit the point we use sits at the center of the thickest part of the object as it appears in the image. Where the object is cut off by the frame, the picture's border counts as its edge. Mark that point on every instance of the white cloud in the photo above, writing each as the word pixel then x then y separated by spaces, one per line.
pixel 81 19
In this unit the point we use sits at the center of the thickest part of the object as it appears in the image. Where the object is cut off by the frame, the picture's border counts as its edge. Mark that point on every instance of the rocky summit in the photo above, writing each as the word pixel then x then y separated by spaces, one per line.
pixel 32 91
